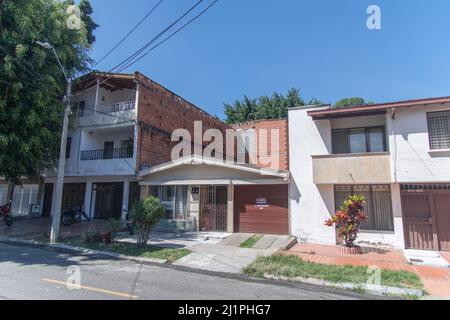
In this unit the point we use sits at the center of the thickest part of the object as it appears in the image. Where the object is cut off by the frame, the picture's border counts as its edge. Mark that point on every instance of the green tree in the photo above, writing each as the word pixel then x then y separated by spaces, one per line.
pixel 31 82
pixel 146 214
pixel 351 102
pixel 273 107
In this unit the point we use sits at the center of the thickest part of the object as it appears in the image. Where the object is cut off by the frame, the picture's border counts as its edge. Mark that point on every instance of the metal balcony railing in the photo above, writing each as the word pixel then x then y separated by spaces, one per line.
pixel 107 154
pixel 121 106
pixel 81 111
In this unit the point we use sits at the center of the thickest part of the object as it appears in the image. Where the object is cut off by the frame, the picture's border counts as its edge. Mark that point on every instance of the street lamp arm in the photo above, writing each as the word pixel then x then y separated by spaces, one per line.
pixel 47 45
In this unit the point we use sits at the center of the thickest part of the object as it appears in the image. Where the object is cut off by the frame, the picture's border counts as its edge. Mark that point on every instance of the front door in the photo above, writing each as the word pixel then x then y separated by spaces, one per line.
pixel 213 208
pixel 108 150
pixel 108 200
pixel 419 223
pixel 442 208
pixel 426 211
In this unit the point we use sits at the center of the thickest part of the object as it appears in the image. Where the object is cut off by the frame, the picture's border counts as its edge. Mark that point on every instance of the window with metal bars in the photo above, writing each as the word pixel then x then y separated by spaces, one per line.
pixel 439 129
pixel 378 206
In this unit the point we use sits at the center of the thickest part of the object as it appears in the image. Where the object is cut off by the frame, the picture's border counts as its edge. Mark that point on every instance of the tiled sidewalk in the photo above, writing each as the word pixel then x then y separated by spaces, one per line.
pixel 436 281
pixel 38 229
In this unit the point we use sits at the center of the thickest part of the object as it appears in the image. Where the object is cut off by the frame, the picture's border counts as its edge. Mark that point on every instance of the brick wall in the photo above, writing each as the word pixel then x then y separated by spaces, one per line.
pixel 160 113
pixel 269 125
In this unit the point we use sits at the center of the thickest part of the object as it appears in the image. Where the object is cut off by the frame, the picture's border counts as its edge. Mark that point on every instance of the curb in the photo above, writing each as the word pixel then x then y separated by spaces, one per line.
pixel 371 289
pixel 235 276
pixel 106 253
pixel 82 250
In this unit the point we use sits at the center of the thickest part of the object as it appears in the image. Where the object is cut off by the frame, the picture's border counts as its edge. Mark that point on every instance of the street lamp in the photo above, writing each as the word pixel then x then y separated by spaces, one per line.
pixel 56 208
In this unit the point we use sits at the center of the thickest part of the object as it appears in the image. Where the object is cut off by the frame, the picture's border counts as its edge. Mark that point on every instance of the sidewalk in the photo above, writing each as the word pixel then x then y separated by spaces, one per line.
pixel 436 281
pixel 38 229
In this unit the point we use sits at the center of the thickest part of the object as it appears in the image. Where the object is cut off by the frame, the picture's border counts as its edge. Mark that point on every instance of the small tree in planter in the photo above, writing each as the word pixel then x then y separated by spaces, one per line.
pixel 348 220
pixel 146 214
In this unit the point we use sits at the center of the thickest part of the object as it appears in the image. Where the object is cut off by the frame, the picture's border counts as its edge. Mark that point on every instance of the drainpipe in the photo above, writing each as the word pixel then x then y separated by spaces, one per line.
pixel 393 116
pixel 97 93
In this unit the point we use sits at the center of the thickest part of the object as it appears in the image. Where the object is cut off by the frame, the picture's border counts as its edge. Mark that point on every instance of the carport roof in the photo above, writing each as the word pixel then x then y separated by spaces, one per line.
pixel 330 113
pixel 198 161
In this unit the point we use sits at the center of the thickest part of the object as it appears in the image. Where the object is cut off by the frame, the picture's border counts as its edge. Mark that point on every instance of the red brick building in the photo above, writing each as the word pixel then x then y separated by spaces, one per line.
pixel 119 150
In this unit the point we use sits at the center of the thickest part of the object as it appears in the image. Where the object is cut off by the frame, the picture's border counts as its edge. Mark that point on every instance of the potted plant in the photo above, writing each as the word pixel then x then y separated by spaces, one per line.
pixel 348 222
pixel 146 214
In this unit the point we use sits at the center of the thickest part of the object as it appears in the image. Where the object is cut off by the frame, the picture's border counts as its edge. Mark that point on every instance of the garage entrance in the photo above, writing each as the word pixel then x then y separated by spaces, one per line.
pixel 426 213
pixel 261 209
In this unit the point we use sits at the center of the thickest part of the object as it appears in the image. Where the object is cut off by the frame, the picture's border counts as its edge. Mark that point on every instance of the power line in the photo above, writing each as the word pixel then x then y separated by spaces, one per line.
pixel 172 35
pixel 129 33
pixel 148 44
pixel 159 35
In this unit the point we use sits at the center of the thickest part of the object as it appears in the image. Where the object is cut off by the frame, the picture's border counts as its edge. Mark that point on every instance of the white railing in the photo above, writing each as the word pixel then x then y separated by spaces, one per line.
pixel 121 106
pixel 113 108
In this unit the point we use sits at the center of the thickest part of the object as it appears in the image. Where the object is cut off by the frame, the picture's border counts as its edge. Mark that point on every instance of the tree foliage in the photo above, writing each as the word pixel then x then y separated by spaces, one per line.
pixel 146 214
pixel 265 107
pixel 31 82
pixel 351 102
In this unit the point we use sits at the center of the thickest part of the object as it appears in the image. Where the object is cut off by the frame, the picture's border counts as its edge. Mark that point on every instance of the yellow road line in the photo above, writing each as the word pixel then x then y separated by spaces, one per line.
pixel 113 293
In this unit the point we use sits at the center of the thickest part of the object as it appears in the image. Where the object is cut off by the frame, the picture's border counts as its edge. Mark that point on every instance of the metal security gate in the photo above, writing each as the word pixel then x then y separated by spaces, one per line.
pixel 426 211
pixel 23 198
pixel 213 208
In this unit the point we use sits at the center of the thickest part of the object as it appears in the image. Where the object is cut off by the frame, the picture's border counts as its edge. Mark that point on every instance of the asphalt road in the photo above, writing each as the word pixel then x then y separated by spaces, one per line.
pixel 35 273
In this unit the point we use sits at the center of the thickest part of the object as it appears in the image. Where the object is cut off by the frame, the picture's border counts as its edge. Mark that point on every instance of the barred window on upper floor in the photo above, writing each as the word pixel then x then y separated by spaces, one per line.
pixel 439 129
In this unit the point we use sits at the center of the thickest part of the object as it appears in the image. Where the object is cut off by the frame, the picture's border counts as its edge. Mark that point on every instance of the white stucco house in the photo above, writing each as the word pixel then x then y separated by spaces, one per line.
pixel 395 154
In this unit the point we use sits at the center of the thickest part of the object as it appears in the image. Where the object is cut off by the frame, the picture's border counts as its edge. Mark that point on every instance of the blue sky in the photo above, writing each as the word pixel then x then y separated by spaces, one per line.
pixel 256 47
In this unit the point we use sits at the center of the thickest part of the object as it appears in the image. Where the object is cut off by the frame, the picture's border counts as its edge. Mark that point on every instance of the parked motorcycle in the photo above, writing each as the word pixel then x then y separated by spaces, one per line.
pixel 73 216
pixel 5 213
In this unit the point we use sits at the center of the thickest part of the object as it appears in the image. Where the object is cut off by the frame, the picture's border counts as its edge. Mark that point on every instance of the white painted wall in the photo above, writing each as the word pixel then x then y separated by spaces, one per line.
pixel 411 157
pixel 86 139
pixel 412 161
pixel 310 205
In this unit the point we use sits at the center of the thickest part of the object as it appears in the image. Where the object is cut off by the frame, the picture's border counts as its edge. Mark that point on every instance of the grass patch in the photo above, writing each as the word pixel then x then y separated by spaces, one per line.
pixel 250 242
pixel 130 249
pixel 291 267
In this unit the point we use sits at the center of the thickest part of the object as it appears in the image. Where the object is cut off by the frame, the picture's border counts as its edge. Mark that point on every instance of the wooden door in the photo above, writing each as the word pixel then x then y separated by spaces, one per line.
pixel 442 213
pixel 419 221
pixel 108 200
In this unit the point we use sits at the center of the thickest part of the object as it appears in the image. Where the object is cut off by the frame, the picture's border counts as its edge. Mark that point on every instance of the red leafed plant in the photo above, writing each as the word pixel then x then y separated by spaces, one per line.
pixel 348 220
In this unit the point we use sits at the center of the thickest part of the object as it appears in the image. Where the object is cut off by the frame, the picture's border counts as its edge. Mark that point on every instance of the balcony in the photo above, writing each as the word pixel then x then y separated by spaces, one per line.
pixel 107 154
pixel 361 168
pixel 114 114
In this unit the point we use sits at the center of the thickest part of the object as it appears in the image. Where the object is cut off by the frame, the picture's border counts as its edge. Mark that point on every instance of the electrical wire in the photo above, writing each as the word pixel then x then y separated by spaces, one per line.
pixel 129 33
pixel 142 49
pixel 172 35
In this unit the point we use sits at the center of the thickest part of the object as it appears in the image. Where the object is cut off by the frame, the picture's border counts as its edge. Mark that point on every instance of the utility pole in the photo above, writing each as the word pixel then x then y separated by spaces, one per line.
pixel 56 211
pixel 57 204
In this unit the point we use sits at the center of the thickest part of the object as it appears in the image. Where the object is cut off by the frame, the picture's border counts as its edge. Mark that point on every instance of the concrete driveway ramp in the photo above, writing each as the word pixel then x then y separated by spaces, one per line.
pixel 266 242
pixel 426 258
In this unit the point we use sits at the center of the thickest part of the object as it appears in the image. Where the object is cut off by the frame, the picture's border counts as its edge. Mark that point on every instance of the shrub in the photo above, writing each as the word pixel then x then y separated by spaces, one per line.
pixel 115 227
pixel 92 236
pixel 348 220
pixel 146 214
